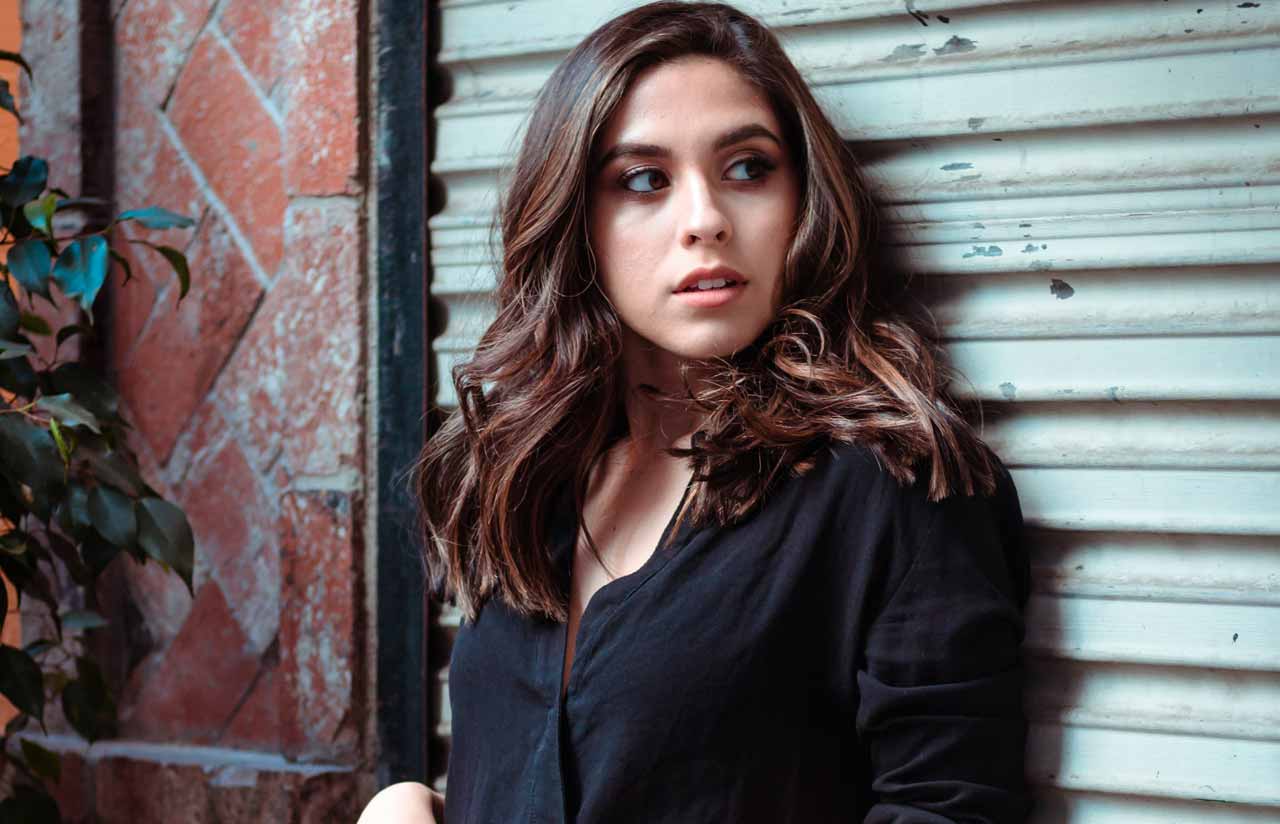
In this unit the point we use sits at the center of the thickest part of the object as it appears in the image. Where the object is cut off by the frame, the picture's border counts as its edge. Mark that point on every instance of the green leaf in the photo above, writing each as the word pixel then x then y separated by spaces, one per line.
pixel 6 100
pixel 112 467
pixel 44 763
pixel 20 682
pixel 113 516
pixel 88 388
pixel 25 181
pixel 10 312
pixel 87 703
pixel 17 376
pixel 69 330
pixel 29 805
pixel 155 217
pixel 15 57
pixel 39 213
pixel 13 542
pixel 124 262
pixel 178 261
pixel 66 552
pixel 34 323
pixel 67 410
pixel 97 553
pixel 81 269
pixel 13 349
pixel 72 512
pixel 39 646
pixel 30 455
pixel 165 534
pixel 82 619
pixel 31 263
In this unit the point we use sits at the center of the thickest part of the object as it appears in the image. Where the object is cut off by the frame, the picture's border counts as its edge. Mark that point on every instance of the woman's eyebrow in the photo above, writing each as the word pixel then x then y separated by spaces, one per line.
pixel 729 138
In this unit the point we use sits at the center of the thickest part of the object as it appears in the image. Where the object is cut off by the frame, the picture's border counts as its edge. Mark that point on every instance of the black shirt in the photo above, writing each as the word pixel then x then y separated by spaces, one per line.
pixel 850 652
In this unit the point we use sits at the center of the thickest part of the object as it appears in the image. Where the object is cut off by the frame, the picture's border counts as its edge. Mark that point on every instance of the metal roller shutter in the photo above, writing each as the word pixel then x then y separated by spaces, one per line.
pixel 1090 192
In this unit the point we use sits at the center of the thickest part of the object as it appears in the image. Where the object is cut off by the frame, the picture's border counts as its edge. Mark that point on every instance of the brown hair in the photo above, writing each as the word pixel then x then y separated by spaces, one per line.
pixel 838 363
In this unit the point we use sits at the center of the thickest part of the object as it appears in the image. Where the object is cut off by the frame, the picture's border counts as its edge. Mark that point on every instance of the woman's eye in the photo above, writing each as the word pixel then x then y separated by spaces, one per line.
pixel 644 175
pixel 762 164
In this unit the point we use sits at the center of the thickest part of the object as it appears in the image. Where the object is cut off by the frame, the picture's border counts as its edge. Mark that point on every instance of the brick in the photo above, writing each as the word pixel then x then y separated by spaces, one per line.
pixel 151 172
pixel 131 305
pixel 153 38
pixel 257 30
pixel 318 658
pixel 234 528
pixel 256 724
pixel 133 791
pixel 322 116
pixel 74 788
pixel 200 680
pixel 160 597
pixel 175 362
pixel 50 44
pixel 295 378
pixel 236 144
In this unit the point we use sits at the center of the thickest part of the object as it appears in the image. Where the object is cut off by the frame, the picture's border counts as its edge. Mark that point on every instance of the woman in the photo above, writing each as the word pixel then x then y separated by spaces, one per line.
pixel 724 548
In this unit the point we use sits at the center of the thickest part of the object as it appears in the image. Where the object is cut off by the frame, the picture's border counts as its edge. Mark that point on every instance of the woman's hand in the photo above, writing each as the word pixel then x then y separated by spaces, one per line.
pixel 407 802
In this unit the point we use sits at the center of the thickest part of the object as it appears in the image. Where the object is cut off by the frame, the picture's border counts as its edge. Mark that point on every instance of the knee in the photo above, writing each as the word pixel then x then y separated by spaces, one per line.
pixel 407 802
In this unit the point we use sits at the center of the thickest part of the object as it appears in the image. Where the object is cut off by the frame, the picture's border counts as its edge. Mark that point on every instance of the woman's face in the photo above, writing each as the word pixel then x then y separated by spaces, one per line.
pixel 694 176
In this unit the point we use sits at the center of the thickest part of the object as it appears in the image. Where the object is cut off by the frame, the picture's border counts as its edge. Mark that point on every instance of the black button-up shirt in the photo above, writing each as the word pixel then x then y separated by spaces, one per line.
pixel 850 652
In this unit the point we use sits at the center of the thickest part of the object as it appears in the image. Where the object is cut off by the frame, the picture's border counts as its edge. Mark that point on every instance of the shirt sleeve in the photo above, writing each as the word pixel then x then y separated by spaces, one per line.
pixel 941 682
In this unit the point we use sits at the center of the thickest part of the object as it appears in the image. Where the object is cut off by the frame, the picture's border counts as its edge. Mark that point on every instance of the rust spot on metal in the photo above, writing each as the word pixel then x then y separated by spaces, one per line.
pixel 956 45
pixel 1060 289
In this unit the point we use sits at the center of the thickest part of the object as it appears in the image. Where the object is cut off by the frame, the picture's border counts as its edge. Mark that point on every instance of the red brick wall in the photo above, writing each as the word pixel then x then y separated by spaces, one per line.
pixel 250 702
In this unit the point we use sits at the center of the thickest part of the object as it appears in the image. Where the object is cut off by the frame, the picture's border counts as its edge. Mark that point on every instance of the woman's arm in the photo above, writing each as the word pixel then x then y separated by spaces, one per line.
pixel 407 802
pixel 941 686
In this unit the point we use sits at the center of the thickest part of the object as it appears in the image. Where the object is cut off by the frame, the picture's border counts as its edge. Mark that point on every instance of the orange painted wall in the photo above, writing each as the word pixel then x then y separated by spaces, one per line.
pixel 10 40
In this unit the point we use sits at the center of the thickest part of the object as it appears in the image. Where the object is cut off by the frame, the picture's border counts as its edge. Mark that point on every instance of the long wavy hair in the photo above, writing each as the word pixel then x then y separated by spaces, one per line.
pixel 542 397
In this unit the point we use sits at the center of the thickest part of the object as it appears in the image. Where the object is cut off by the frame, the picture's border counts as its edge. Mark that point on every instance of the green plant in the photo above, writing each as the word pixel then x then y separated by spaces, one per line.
pixel 72 500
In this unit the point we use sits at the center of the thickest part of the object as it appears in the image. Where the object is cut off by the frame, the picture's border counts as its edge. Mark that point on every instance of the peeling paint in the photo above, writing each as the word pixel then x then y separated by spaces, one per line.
pixel 1060 289
pixel 1024 225
pixel 1234 637
pixel 979 225
pixel 956 45
pixel 975 123
pixel 1030 247
pixel 918 15
pixel 944 18
pixel 969 177
pixel 1041 265
pixel 1247 5
pixel 989 251
pixel 907 51
pixel 1113 392
pixel 1009 391
pixel 951 167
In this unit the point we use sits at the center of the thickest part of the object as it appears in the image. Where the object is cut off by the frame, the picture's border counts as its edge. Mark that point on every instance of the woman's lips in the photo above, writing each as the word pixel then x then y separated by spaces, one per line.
pixel 708 298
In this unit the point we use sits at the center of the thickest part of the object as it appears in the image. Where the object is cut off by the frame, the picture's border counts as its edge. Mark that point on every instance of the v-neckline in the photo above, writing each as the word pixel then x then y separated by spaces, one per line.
pixel 656 558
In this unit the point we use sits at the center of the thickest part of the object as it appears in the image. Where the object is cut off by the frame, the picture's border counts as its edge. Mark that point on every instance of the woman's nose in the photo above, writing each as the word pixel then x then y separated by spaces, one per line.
pixel 704 220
